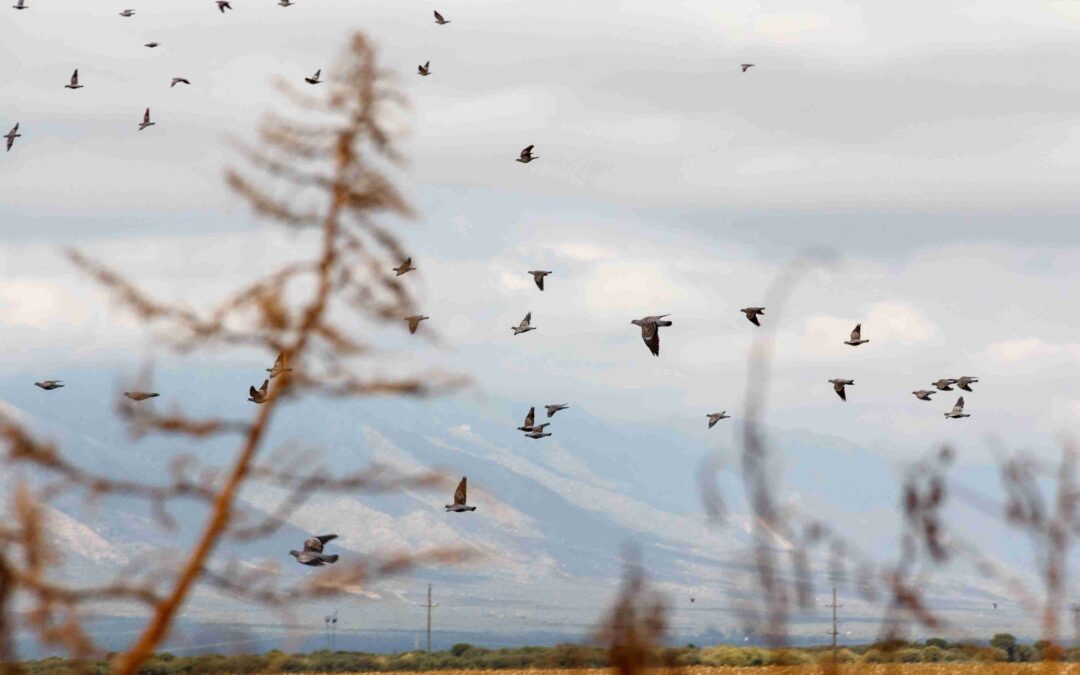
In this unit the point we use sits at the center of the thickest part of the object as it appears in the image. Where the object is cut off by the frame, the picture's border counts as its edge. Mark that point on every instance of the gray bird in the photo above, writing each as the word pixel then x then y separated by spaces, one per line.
pixel 838 387
pixel 529 419
pixel 313 552
pixel 524 326
pixel 151 45
pixel 527 156
pixel 178 80
pixel 146 120
pixel 958 410
pixel 423 70
pixel 404 267
pixel 440 20
pixel 650 331
pixel 12 135
pixel 752 314
pixel 74 83
pixel 943 384
pixel 49 385
pixel 314 79
pixel 223 5
pixel 965 382
pixel 746 66
pixel 538 277
pixel 21 4
pixel 924 394
pixel 554 408
pixel 856 337
pixel 260 395
pixel 538 431
pixel 460 498
pixel 414 322
pixel 285 3
pixel 140 395
pixel 716 417
pixel 281 365
pixel 128 12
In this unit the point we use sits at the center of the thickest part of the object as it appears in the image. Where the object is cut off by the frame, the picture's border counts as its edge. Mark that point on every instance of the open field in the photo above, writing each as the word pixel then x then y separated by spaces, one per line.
pixel 853 669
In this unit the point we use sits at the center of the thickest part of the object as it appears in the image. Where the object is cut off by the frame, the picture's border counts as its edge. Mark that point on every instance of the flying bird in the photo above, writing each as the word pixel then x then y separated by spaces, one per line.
pixel 438 19
pixel 146 120
pixel 538 277
pixel 74 83
pixel 178 80
pixel 151 45
pixel 281 365
pixel 140 395
pixel 524 326
pixel 223 5
pixel 746 66
pixel 529 419
pixel 538 431
pixel 49 385
pixel 650 331
pixel 752 314
pixel 128 12
pixel 965 382
pixel 527 156
pixel 259 395
pixel 12 135
pixel 716 417
pixel 554 408
pixel 21 4
pixel 313 551
pixel 414 322
pixel 838 387
pixel 958 410
pixel 943 384
pixel 285 3
pixel 404 267
pixel 459 498
pixel 856 337
pixel 314 79
pixel 924 394
pixel 423 70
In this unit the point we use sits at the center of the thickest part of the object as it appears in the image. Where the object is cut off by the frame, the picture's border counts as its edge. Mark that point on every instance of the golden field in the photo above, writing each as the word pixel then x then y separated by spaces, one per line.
pixel 852 669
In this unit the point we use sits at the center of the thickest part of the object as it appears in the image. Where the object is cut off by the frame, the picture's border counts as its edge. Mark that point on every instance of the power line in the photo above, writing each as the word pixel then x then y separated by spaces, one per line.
pixel 834 631
pixel 429 607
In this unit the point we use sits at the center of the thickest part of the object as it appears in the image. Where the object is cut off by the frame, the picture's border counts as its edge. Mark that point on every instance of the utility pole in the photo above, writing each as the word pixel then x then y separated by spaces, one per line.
pixel 331 629
pixel 429 607
pixel 834 631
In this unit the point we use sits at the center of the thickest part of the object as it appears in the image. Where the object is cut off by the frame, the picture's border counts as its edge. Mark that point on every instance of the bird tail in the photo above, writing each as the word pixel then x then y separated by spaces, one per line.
pixel 663 323
pixel 330 558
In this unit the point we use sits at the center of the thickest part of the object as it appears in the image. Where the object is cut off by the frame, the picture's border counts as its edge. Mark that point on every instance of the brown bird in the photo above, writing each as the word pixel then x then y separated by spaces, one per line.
pixel 151 45
pixel 650 331
pixel 49 385
pixel 746 66
pixel 460 498
pixel 943 384
pixel 538 277
pixel 260 395
pixel 414 322
pixel 281 365
pixel 752 314
pixel 965 382
pixel 223 5
pixel 530 418
pixel 12 135
pixel 74 83
pixel 527 156
pixel 314 79
pixel 856 337
pixel 524 326
pixel 440 20
pixel 924 394
pixel 838 387
pixel 404 267
pixel 423 70
pixel 313 551
pixel 146 120
pixel 140 395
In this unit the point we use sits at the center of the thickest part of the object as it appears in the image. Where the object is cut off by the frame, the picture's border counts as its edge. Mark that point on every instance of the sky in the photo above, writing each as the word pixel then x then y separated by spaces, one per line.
pixel 930 149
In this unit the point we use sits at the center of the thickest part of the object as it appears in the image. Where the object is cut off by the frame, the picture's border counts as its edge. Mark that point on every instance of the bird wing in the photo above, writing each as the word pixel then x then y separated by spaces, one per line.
pixel 323 538
pixel 527 320
pixel 459 493
pixel 651 336
pixel 857 333
pixel 253 392
pixel 438 17
pixel 279 362
pixel 317 73
pixel 539 279
pixel 75 77
pixel 530 418
pixel 265 387
pixel 146 116
pixel 752 317
pixel 527 151
pixel 959 407
pixel 839 388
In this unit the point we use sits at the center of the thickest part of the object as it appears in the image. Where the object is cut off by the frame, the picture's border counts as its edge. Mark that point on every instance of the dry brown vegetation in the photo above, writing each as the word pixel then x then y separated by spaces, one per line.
pixel 856 669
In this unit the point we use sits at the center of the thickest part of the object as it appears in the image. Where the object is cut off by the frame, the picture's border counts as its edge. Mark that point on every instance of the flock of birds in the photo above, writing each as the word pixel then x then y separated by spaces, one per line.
pixel 313 550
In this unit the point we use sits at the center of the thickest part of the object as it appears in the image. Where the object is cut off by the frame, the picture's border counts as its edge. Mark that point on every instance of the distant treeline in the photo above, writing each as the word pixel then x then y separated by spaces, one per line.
pixel 1002 648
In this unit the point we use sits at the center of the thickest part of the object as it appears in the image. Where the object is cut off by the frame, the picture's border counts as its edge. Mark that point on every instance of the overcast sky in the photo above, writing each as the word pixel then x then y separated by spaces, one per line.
pixel 932 147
